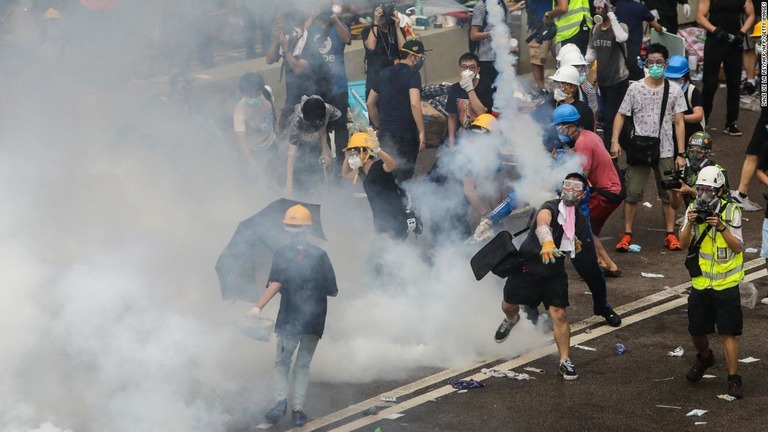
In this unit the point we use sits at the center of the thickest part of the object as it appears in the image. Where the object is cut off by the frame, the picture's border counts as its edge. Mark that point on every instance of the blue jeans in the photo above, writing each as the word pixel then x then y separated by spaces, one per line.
pixel 286 345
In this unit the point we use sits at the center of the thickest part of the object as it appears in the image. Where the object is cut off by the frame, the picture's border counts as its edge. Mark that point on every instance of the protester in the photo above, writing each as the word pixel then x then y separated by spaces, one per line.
pixel 331 36
pixel 573 21
pixel 309 157
pixel 480 38
pixel 749 58
pixel 303 276
pixel 466 99
pixel 537 52
pixel 633 15
pixel 665 12
pixel 382 41
pixel 608 47
pixel 755 148
pixel 723 46
pixel 586 90
pixel 565 90
pixel 713 227
pixel 678 72
pixel 254 124
pixel 394 107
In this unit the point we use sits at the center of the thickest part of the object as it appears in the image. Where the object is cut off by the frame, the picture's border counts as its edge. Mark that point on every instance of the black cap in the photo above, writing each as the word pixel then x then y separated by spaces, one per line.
pixel 414 47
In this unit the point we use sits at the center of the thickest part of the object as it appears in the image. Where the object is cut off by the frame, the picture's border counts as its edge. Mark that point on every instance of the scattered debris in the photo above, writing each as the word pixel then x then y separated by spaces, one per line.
pixel 709 376
pixel 700 423
pixel 587 293
pixel 534 370
pixel 388 398
pixel 751 250
pixel 634 248
pixel 664 379
pixel 372 411
pixel 764 301
pixel 264 426
pixel 589 330
pixel 696 413
pixel 394 416
pixel 620 349
pixel 668 406
pixel 651 275
pixel 726 397
pixel 461 391
pixel 506 373
pixel 465 384
pixel 677 352
pixel 647 204
pixel 585 348
pixel 749 359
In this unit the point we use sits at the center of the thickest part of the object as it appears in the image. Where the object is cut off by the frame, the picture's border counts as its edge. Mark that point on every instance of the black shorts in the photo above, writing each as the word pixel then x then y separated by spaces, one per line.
pixel 707 308
pixel 759 138
pixel 532 290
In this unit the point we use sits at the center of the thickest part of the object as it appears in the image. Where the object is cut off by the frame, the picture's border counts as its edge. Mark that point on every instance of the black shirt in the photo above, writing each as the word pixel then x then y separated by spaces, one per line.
pixel 315 80
pixel 690 128
pixel 383 56
pixel 386 201
pixel 458 104
pixel 726 14
pixel 394 104
pixel 307 278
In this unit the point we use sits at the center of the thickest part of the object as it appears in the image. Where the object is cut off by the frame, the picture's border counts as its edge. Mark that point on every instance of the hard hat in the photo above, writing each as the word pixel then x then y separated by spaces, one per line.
pixel 573 58
pixel 567 74
pixel 702 140
pixel 565 113
pixel 485 121
pixel 677 67
pixel 710 176
pixel 565 49
pixel 51 14
pixel 757 31
pixel 359 140
pixel 297 215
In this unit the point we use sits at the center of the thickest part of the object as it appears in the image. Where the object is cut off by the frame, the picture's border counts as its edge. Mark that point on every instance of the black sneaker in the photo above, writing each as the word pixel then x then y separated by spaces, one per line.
pixel 731 129
pixel 734 386
pixel 567 370
pixel 502 333
pixel 299 418
pixel 277 412
pixel 747 88
pixel 611 317
pixel 697 370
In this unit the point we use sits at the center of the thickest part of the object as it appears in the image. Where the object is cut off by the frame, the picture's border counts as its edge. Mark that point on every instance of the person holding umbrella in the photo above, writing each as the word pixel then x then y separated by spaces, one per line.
pixel 303 275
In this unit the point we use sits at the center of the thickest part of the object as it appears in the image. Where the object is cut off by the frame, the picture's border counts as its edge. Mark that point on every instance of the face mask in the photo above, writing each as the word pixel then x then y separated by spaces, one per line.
pixel 696 162
pixel 582 78
pixel 565 139
pixel 559 95
pixel 254 102
pixel 419 63
pixel 570 197
pixel 656 71
pixel 354 162
pixel 706 198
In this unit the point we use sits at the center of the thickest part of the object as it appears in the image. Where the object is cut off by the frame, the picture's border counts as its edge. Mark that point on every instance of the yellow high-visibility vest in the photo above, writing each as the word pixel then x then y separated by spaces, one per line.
pixel 720 267
pixel 569 23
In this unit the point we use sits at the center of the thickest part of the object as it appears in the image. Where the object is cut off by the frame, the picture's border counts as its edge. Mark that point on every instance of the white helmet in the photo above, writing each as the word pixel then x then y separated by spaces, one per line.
pixel 565 49
pixel 710 176
pixel 566 74
pixel 573 59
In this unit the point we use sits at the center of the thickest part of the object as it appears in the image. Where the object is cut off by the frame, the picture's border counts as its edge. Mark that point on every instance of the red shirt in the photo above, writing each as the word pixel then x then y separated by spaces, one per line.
pixel 597 162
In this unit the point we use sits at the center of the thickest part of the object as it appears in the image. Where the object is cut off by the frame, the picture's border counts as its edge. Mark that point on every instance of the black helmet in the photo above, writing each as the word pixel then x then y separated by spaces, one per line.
pixel 702 140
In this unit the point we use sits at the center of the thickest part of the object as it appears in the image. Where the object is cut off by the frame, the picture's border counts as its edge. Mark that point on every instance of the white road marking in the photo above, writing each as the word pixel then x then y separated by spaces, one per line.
pixel 665 295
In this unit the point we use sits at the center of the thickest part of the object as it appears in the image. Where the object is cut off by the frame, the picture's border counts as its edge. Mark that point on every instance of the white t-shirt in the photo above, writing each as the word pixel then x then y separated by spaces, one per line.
pixel 256 121
pixel 644 103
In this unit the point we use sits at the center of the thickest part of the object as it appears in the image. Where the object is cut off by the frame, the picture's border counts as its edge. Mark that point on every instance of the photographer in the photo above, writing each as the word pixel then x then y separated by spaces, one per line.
pixel 683 181
pixel 382 43
pixel 716 264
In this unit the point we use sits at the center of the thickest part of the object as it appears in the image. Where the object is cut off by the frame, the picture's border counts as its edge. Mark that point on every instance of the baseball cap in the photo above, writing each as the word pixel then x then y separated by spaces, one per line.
pixel 414 47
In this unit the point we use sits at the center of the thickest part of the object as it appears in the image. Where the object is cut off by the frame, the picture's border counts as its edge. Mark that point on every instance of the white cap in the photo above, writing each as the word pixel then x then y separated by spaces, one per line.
pixel 565 49
pixel 573 59
pixel 567 74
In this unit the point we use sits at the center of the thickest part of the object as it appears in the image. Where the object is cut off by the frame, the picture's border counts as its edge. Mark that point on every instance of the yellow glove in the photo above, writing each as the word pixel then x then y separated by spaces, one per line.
pixel 578 245
pixel 549 253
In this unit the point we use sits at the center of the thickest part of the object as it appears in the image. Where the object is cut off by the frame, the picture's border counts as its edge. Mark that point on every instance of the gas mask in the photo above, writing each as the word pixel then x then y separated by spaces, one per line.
pixel 419 63
pixel 706 197
pixel 572 192
pixel 697 161
pixel 354 162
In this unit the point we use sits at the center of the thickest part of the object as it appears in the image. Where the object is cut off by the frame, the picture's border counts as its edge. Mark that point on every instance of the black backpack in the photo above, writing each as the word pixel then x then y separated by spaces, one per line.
pixel 474 45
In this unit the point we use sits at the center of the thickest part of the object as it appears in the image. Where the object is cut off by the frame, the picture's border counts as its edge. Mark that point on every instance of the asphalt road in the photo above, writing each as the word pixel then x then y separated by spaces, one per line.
pixel 612 392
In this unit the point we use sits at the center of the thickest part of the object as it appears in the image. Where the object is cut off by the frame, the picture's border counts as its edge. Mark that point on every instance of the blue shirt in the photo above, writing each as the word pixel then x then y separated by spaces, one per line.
pixel 633 14
pixel 536 10
pixel 332 50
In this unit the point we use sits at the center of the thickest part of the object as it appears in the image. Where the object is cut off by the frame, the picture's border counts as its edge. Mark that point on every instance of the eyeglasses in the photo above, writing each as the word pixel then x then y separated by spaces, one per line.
pixel 649 62
pixel 469 67
pixel 573 185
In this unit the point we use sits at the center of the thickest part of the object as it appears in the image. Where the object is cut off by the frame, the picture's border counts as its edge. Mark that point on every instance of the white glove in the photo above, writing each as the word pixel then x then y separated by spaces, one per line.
pixel 687 10
pixel 484 230
pixel 255 312
pixel 655 14
pixel 466 83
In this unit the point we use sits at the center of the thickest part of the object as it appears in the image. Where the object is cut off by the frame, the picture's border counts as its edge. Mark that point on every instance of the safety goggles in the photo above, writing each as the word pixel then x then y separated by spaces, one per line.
pixel 564 128
pixel 697 152
pixel 574 185
pixel 709 190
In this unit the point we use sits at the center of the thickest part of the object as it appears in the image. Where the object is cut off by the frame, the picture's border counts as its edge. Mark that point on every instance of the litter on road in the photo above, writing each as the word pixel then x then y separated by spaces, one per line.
pixel 677 352
pixel 534 370
pixel 394 416
pixel 749 359
pixel 647 204
pixel 465 384
pixel 264 426
pixel 585 348
pixel 388 398
pixel 726 397
pixel 764 301
pixel 696 413
pixel 751 250
pixel 668 406
pixel 498 373
pixel 700 423
pixel 634 248
pixel 664 379
pixel 651 275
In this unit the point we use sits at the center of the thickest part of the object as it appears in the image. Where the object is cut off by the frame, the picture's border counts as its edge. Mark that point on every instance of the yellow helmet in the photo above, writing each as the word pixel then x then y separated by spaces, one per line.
pixel 757 31
pixel 298 215
pixel 485 121
pixel 358 140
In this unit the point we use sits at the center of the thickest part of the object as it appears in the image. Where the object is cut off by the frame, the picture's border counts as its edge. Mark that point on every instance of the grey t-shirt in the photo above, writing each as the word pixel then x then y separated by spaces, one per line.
pixel 485 50
pixel 644 103
pixel 611 64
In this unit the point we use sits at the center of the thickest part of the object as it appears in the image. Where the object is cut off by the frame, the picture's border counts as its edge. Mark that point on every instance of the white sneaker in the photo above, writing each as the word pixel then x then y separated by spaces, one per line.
pixel 745 203
pixel 764 301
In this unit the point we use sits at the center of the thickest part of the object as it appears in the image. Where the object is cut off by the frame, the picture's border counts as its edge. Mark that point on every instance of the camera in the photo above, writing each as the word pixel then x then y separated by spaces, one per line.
pixel 388 10
pixel 703 211
pixel 675 180
pixel 326 12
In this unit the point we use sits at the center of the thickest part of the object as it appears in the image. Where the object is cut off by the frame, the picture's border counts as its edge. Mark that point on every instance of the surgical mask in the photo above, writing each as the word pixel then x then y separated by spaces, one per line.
pixel 656 71
pixel 582 78
pixel 254 102
pixel 559 95
pixel 419 63
pixel 354 162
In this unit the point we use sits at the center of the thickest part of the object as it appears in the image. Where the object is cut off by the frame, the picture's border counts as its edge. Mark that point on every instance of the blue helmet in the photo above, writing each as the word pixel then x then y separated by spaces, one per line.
pixel 565 113
pixel 677 67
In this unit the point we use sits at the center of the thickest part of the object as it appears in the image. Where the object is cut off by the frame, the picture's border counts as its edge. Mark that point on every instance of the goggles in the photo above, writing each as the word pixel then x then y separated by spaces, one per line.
pixel 575 185
pixel 701 190
pixel 700 152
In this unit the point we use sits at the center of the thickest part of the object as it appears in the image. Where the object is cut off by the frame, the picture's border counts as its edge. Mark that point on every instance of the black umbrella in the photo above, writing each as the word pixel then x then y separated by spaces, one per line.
pixel 243 266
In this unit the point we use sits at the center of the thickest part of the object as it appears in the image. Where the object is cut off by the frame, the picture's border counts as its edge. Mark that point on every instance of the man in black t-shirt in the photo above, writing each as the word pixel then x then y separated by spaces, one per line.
pixel 394 107
pixel 466 100
pixel 303 275
pixel 382 42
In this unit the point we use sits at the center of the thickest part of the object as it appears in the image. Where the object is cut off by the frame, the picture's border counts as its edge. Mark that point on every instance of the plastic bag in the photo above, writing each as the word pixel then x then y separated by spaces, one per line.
pixel 748 293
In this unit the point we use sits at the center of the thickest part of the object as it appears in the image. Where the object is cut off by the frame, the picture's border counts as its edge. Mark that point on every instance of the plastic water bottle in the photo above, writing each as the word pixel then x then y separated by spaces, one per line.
pixel 620 349
pixel 640 62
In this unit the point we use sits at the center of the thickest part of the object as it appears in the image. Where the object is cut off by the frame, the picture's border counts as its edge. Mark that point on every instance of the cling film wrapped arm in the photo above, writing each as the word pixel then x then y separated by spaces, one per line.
pixel 504 209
